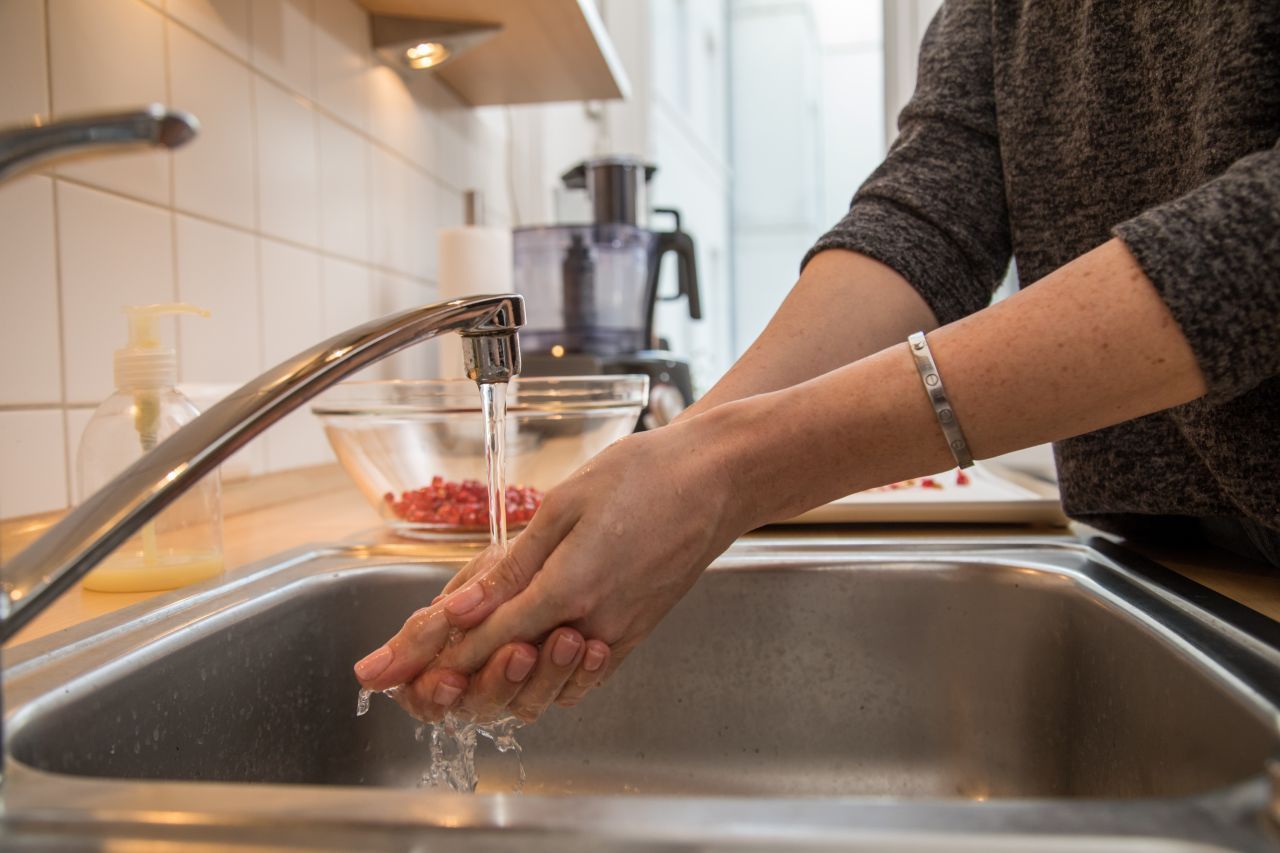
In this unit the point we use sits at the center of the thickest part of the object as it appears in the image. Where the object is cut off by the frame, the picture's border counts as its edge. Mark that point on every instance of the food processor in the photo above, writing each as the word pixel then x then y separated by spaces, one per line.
pixel 591 288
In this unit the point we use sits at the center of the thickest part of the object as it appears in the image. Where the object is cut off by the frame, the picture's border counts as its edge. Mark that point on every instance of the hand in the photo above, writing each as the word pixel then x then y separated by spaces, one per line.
pixel 518 678
pixel 610 551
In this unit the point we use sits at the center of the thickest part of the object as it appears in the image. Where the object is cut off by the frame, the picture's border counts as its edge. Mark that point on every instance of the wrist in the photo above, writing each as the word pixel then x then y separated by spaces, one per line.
pixel 864 425
pixel 746 442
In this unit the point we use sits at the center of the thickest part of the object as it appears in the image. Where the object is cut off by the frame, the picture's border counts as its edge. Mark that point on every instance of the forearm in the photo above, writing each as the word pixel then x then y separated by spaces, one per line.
pixel 1088 346
pixel 844 307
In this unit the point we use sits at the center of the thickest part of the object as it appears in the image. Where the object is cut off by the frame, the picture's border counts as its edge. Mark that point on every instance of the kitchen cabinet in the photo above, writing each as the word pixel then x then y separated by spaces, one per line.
pixel 547 50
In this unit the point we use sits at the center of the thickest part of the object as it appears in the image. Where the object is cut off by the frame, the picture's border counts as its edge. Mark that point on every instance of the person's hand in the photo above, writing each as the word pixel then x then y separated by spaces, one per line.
pixel 609 552
pixel 518 678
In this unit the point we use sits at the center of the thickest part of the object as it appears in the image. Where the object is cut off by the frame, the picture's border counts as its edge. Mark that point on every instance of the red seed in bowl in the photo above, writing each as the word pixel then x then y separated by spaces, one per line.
pixel 464 504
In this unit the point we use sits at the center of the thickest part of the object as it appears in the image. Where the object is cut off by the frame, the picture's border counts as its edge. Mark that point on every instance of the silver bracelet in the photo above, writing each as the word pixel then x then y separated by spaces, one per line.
pixel 938 397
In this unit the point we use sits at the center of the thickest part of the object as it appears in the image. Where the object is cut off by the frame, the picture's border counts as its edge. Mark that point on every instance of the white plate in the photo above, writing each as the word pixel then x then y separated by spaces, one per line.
pixel 994 495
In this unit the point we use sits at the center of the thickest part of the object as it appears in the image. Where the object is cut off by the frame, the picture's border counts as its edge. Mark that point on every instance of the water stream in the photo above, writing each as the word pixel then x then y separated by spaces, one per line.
pixel 493 408
pixel 453 740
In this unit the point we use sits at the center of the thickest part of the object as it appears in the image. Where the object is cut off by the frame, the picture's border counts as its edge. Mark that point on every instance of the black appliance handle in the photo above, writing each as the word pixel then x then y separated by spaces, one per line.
pixel 686 262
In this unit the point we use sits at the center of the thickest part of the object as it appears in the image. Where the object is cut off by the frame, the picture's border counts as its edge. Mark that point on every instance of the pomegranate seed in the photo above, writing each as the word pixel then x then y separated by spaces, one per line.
pixel 462 504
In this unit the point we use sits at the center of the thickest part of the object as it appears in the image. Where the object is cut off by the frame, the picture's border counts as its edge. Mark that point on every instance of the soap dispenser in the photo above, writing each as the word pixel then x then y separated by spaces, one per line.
pixel 183 544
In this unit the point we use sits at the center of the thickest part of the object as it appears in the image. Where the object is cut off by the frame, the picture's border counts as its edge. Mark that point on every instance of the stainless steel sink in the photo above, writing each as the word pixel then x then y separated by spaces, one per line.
pixel 804 686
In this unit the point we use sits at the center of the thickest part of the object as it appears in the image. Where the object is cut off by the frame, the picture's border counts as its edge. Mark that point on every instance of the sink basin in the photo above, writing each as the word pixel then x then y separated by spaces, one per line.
pixel 937 675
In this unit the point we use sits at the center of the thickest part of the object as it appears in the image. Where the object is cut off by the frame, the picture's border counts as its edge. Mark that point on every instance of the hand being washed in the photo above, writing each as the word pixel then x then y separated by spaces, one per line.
pixel 610 551
pixel 518 678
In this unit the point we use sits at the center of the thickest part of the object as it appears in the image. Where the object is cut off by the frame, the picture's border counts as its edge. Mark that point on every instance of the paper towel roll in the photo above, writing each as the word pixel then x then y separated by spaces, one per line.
pixel 473 259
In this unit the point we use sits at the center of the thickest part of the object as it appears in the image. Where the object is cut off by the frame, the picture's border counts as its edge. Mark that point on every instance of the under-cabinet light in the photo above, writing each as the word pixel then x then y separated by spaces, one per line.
pixel 417 44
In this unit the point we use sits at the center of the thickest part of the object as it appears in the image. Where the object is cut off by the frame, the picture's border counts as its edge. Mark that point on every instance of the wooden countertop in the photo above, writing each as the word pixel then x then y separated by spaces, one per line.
pixel 275 513
pixel 263 517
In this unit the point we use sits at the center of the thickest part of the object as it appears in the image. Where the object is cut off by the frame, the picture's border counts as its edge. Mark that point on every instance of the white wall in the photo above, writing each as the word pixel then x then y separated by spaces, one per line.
pixel 688 139
pixel 904 24
pixel 309 203
pixel 675 55
pixel 806 124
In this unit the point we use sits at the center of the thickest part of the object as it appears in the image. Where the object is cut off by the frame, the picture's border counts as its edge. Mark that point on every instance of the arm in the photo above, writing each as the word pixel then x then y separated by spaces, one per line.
pixel 934 221
pixel 1090 345
pixel 926 238
pixel 844 307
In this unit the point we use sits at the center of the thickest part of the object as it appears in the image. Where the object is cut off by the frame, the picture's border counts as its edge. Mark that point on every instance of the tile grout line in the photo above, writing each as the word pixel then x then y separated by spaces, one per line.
pixel 319 182
pixel 316 106
pixel 256 167
pixel 68 457
pixel 231 226
pixel 174 290
pixel 51 406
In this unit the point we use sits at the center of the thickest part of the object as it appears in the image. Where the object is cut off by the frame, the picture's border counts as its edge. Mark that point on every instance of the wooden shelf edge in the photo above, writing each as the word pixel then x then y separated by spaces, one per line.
pixel 547 51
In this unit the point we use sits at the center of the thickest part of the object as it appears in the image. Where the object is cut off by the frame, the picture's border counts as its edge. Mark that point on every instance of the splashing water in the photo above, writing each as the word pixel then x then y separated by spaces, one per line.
pixel 453 739
pixel 452 747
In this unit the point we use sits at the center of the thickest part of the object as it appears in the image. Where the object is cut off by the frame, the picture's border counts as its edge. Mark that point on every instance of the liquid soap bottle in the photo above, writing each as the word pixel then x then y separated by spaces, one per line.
pixel 183 544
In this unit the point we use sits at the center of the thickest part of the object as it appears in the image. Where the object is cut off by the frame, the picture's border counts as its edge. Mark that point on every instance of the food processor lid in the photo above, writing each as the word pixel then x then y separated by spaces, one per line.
pixel 617 187
pixel 576 177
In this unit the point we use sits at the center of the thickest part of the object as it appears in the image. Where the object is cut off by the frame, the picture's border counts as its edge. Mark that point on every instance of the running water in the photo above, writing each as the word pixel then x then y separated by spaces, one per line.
pixel 453 739
pixel 493 408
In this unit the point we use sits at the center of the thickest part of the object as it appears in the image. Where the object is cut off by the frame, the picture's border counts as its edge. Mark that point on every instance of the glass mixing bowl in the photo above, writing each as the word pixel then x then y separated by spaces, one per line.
pixel 416 448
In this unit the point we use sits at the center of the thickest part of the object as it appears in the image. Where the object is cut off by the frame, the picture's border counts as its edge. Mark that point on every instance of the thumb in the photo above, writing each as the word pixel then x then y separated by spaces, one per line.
pixel 495 577
pixel 406 654
pixel 527 617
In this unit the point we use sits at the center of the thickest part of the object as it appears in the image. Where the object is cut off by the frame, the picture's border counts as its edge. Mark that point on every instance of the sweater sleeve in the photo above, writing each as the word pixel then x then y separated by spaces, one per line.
pixel 1214 256
pixel 934 211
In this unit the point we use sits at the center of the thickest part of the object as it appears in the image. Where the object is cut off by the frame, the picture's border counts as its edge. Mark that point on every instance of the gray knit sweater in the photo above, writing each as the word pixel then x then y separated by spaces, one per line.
pixel 1041 128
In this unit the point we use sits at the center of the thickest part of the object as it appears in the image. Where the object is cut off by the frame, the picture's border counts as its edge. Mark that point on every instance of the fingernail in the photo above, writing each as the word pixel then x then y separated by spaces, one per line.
pixel 464 600
pixel 565 649
pixel 437 599
pixel 519 666
pixel 445 694
pixel 373 665
pixel 593 659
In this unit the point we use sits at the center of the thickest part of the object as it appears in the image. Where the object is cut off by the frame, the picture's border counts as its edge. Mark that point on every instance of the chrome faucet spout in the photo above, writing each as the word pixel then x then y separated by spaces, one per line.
pixel 23 149
pixel 90 532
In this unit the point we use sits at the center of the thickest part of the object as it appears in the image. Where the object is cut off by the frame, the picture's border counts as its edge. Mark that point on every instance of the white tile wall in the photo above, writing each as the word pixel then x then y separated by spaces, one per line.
pixel 25 92
pixel 344 190
pixel 33 459
pixel 110 54
pixel 291 309
pixel 223 22
pixel 397 293
pixel 292 320
pixel 342 60
pixel 217 270
pixel 113 252
pixel 282 43
pixel 288 167
pixel 214 174
pixel 77 421
pixel 30 355
pixel 346 296
pixel 308 203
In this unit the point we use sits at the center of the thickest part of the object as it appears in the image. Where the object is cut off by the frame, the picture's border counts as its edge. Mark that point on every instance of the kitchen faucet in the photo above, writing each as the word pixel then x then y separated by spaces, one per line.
pixel 23 149
pixel 89 533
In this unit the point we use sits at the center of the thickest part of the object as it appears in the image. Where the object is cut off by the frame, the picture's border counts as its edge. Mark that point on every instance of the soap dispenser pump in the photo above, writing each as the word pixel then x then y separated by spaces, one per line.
pixel 184 542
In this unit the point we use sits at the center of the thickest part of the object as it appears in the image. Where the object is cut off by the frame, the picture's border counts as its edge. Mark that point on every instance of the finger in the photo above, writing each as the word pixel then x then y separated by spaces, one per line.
pixel 406 654
pixel 588 675
pixel 560 656
pixel 481 563
pixel 527 617
pixel 431 695
pixel 480 596
pixel 498 682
